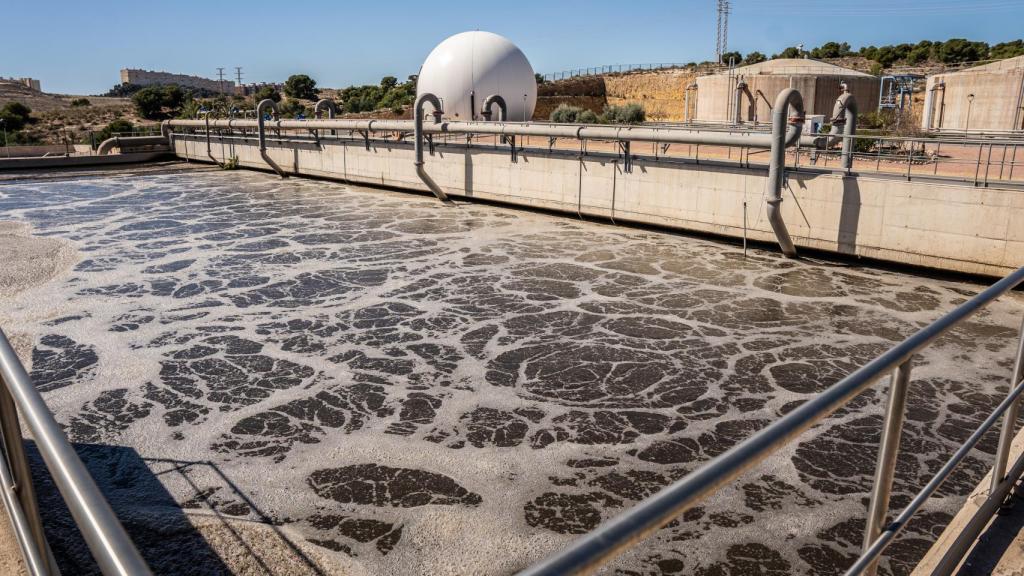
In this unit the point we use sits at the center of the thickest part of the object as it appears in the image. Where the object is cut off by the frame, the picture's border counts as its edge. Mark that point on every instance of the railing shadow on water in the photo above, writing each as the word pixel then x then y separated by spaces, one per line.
pixel 159 525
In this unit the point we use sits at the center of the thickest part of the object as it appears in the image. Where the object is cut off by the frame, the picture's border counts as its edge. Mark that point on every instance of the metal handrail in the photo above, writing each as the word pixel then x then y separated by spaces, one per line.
pixel 113 550
pixel 612 538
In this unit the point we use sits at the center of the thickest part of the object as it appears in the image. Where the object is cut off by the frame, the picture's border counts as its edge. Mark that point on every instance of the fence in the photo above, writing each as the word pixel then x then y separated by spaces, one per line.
pixel 610 69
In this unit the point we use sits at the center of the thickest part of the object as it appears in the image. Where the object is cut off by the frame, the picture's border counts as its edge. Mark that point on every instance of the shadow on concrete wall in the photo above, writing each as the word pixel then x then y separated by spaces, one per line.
pixel 849 217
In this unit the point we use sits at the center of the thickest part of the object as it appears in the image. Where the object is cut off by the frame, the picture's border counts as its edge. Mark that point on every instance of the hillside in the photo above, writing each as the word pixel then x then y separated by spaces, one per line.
pixel 56 116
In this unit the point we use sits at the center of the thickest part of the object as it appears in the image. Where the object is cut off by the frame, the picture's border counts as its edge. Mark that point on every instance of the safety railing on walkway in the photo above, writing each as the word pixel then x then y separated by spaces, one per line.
pixel 110 545
pixel 628 529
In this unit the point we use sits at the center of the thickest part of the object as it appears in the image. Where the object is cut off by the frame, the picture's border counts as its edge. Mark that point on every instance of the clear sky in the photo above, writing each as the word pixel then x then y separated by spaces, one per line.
pixel 78 47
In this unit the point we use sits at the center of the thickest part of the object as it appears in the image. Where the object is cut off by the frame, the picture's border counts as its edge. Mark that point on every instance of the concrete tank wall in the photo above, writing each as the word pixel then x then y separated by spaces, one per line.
pixel 716 94
pixel 997 96
pixel 948 226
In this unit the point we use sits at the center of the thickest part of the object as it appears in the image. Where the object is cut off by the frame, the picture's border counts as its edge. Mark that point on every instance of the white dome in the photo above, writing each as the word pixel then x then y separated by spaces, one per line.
pixel 467 68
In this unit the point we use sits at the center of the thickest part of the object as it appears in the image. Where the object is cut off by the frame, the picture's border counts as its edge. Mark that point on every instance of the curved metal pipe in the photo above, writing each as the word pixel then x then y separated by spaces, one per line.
pixel 502 108
pixel 117 142
pixel 783 136
pixel 325 104
pixel 741 90
pixel 418 112
pixel 844 118
pixel 262 133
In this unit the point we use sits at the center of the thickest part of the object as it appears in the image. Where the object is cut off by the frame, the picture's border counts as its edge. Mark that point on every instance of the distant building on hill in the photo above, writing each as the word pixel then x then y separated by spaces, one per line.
pixel 29 82
pixel 149 77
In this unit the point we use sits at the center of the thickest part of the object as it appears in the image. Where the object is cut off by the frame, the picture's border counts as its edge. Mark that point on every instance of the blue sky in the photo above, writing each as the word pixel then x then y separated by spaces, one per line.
pixel 78 47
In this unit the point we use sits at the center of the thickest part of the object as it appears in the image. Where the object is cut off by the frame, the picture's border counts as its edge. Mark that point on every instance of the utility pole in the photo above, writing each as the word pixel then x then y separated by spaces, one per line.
pixel 220 75
pixel 238 74
pixel 722 32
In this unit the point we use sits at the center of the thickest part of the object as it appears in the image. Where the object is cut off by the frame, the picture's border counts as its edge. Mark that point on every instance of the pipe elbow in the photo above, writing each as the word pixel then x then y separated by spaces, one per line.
pixel 107 145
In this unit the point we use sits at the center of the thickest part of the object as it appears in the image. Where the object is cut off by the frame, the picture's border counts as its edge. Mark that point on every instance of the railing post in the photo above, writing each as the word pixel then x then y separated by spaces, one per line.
pixel 888 448
pixel 14 450
pixel 1010 418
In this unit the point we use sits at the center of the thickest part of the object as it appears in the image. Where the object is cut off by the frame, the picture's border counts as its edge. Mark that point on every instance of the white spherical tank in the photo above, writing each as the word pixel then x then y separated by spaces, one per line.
pixel 467 68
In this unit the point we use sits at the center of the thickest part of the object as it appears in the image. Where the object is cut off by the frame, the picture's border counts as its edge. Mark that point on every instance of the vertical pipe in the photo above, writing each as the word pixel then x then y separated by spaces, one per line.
pixel 262 133
pixel 14 448
pixel 888 448
pixel 781 137
pixel 1009 418
pixel 423 100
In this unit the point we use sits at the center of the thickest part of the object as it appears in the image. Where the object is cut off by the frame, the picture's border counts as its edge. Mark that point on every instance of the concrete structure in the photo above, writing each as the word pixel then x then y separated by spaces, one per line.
pixel 988 97
pixel 148 77
pixel 467 68
pixel 950 226
pixel 818 82
pixel 31 83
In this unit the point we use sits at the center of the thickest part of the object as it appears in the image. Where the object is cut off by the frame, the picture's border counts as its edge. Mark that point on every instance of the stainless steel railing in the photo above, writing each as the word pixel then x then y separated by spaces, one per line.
pixel 621 532
pixel 110 545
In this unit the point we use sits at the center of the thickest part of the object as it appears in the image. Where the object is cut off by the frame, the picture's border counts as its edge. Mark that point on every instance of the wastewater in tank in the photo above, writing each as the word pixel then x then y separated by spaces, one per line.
pixel 406 387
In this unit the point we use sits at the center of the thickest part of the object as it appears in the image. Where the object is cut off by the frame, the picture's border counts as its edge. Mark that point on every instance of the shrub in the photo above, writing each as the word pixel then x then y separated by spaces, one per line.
pixel 108 131
pixel 267 92
pixel 16 116
pixel 300 86
pixel 586 117
pixel 292 109
pixel 754 58
pixel 79 102
pixel 628 114
pixel 565 114
pixel 151 101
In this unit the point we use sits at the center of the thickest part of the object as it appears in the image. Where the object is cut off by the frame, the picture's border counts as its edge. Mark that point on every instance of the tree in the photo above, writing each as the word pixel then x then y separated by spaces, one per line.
pixel 117 126
pixel 539 78
pixel 754 58
pixel 832 50
pixel 791 52
pixel 300 86
pixel 1007 50
pixel 149 102
pixel 388 82
pixel 266 92
pixel 735 57
pixel 16 116
pixel 957 50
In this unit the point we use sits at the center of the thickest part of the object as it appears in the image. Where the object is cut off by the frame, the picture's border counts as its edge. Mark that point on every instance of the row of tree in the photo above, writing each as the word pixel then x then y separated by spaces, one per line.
pixel 952 51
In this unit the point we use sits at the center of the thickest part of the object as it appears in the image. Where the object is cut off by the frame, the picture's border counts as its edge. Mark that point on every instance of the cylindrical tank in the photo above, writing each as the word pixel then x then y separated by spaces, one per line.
pixel 467 68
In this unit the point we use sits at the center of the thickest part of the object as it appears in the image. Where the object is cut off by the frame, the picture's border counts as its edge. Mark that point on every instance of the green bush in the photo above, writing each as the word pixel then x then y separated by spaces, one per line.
pixel 628 114
pixel 300 86
pixel 267 92
pixel 80 102
pixel 158 102
pixel 565 114
pixel 587 117
pixel 119 125
pixel 16 116
pixel 292 109
pixel 389 94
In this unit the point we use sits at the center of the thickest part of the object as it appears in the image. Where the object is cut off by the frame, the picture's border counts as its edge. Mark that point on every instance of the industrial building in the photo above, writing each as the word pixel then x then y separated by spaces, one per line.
pixel 988 97
pixel 744 95
pixel 148 77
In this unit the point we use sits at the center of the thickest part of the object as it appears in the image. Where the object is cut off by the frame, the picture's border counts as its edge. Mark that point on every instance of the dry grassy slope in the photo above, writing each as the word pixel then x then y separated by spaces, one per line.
pixel 55 114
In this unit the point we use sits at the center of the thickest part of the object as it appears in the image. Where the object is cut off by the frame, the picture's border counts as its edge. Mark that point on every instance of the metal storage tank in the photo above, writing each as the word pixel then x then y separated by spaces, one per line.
pixel 818 82
pixel 988 97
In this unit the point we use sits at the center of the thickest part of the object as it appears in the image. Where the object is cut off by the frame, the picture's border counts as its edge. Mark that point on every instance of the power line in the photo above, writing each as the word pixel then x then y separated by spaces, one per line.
pixel 722 32
pixel 238 74
pixel 220 76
